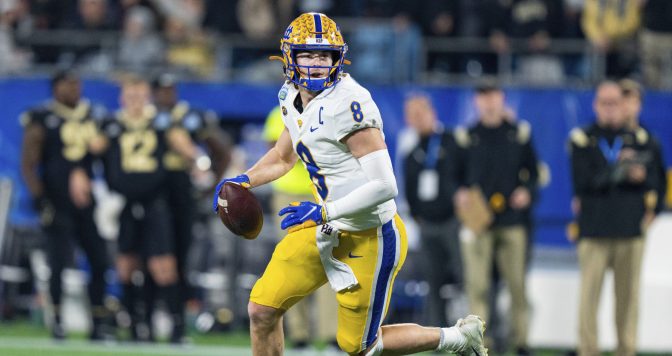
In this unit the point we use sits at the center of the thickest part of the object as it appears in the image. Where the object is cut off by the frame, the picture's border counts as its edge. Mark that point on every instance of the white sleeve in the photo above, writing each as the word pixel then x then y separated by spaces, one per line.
pixel 380 188
pixel 357 111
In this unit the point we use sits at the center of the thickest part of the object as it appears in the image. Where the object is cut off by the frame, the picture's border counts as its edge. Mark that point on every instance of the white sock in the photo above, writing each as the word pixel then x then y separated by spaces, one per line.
pixel 451 340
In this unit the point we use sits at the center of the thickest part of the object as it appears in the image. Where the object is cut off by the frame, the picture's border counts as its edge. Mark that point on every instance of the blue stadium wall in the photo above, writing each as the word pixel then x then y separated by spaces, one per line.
pixel 552 113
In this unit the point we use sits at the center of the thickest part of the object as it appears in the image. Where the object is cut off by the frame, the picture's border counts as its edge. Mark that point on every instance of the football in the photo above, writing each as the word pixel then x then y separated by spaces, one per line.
pixel 240 211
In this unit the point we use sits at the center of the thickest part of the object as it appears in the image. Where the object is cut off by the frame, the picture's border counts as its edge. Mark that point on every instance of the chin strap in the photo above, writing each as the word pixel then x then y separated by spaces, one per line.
pixel 277 58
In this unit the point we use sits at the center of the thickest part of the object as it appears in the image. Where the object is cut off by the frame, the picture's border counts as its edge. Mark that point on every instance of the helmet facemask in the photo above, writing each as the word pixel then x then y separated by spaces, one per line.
pixel 293 70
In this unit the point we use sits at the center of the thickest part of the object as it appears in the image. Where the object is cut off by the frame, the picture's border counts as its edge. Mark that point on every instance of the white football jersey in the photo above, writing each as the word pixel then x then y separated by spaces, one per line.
pixel 316 135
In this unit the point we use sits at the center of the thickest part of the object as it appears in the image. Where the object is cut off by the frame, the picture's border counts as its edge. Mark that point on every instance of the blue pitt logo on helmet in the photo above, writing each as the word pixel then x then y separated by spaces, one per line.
pixel 312 32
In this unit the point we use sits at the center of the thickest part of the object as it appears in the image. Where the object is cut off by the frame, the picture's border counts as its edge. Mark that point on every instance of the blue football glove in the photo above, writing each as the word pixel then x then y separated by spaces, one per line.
pixel 242 179
pixel 305 213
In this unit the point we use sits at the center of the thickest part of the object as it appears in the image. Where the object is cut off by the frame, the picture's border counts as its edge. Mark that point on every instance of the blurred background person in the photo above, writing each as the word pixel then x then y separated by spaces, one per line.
pixel 633 95
pixel 134 146
pixel 497 156
pixel 312 318
pixel 611 176
pixel 440 20
pixel 656 43
pixel 430 183
pixel 195 128
pixel 91 15
pixel 190 12
pixel 57 167
pixel 260 18
pixel 12 57
pixel 388 50
pixel 188 48
pixel 94 18
pixel 536 21
pixel 611 27
pixel 140 47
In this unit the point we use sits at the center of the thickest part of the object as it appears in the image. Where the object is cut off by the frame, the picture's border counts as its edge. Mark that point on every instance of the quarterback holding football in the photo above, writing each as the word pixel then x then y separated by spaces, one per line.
pixel 351 236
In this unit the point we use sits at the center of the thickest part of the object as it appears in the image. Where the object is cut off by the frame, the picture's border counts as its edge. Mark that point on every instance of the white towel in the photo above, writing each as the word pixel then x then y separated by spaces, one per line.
pixel 339 274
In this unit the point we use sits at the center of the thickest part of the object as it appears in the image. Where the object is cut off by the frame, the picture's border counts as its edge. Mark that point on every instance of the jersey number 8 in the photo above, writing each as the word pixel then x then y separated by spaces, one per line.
pixel 357 113
pixel 313 170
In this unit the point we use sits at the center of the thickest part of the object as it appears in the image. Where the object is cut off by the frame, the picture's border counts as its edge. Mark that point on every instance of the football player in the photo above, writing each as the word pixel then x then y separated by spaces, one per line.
pixel 335 128
pixel 56 166
pixel 134 144
pixel 196 127
pixel 317 312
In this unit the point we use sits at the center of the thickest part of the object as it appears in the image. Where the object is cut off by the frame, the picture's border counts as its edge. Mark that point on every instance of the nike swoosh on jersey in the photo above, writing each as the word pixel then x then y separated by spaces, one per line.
pixel 353 256
pixel 313 129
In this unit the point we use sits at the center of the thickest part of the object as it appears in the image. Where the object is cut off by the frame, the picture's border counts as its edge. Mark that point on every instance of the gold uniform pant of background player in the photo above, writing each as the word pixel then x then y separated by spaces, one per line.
pixel 375 256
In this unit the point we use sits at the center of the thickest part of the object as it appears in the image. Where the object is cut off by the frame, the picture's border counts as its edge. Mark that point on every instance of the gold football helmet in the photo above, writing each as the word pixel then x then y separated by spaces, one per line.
pixel 312 31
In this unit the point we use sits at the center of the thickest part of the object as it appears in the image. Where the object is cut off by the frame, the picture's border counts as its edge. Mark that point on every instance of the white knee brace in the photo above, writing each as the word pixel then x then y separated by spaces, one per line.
pixel 377 349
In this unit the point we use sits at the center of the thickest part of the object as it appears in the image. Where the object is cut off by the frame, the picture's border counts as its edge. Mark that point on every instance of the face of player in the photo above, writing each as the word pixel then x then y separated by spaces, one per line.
pixel 420 115
pixel 68 91
pixel 134 97
pixel 165 97
pixel 314 58
pixel 490 107
pixel 608 106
